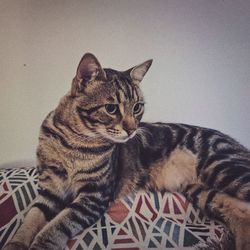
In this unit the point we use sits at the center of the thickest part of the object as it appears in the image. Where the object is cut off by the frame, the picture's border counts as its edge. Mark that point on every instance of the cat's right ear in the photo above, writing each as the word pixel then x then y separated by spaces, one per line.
pixel 137 73
pixel 88 70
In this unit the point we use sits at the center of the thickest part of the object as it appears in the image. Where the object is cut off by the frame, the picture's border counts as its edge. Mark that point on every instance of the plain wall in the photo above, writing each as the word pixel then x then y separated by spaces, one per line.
pixel 200 74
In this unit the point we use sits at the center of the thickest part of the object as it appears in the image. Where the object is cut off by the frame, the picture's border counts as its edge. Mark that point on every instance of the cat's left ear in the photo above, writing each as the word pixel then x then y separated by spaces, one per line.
pixel 88 70
pixel 137 73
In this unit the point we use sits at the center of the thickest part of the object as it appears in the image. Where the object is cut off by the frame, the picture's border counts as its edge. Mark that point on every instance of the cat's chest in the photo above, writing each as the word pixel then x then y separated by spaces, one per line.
pixel 95 170
pixel 174 172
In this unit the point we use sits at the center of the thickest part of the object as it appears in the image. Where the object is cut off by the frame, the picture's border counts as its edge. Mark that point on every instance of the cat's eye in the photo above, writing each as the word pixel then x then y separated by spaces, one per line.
pixel 138 108
pixel 111 108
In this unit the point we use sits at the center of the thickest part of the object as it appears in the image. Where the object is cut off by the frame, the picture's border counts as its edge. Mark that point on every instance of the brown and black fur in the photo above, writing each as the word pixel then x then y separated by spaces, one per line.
pixel 93 149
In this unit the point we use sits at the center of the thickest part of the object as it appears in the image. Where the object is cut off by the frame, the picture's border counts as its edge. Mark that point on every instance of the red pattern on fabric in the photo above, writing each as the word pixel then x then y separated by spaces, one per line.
pixel 184 203
pixel 122 241
pixel 138 209
pixel 7 211
pixel 180 220
pixel 126 248
pixel 3 190
pixel 118 211
pixel 150 207
pixel 122 232
pixel 71 243
pixel 176 208
pixel 166 209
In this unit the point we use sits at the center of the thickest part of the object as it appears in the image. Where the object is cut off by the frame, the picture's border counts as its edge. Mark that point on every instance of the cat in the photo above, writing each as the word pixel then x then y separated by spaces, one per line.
pixel 93 148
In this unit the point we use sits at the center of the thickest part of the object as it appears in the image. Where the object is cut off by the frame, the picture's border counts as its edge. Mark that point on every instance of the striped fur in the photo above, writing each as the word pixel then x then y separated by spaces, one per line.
pixel 93 149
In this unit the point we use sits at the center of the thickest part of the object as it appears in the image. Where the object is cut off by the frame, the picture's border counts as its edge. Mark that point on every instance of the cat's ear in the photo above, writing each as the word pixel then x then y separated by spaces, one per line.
pixel 89 69
pixel 137 73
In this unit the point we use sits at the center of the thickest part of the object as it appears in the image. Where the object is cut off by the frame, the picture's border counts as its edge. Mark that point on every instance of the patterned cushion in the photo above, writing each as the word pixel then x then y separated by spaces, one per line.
pixel 139 221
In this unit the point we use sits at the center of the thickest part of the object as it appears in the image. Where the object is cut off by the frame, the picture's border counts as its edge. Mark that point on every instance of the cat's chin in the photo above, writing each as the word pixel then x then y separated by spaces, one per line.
pixel 118 140
pixel 121 139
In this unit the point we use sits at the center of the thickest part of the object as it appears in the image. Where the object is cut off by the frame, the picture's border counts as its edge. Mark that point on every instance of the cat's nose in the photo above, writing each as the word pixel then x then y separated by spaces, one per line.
pixel 129 126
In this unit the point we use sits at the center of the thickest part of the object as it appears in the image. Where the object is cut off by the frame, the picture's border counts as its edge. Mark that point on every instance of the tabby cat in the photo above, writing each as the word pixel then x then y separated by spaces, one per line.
pixel 94 149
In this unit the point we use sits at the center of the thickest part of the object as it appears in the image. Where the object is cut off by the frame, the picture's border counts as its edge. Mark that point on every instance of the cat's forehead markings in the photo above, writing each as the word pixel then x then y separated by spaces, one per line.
pixel 118 98
pixel 121 107
pixel 135 94
pixel 111 99
pixel 123 89
pixel 122 97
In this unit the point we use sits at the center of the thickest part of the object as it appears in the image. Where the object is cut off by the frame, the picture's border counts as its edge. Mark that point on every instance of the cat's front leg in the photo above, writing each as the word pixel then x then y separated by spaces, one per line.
pixel 15 246
pixel 32 224
pixel 83 212
pixel 55 234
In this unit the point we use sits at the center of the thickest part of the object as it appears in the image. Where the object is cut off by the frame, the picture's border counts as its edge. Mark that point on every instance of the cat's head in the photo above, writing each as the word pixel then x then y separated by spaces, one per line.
pixel 109 102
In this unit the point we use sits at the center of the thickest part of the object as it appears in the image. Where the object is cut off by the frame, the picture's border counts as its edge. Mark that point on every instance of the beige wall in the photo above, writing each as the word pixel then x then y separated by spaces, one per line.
pixel 201 52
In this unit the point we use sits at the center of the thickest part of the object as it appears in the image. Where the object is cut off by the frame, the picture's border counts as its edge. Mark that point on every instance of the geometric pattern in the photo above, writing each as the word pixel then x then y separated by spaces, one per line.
pixel 148 221
pixel 18 189
pixel 136 222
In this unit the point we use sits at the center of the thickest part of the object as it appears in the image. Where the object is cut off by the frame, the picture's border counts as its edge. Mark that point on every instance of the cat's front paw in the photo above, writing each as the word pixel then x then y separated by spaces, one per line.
pixel 15 246
pixel 45 242
pixel 40 246
pixel 40 243
pixel 43 246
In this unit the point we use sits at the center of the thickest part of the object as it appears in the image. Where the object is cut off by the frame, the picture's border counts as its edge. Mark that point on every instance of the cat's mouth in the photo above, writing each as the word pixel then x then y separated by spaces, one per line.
pixel 126 138
pixel 119 138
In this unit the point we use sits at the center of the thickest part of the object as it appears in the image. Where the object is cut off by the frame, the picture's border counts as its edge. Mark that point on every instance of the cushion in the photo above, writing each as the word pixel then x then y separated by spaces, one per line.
pixel 138 221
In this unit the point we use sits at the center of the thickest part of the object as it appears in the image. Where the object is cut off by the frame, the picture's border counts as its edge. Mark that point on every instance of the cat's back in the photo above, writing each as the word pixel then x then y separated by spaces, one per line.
pixel 156 141
pixel 194 138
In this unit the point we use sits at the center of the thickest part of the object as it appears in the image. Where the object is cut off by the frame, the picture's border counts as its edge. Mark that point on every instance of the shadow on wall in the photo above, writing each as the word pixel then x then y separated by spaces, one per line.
pixel 28 163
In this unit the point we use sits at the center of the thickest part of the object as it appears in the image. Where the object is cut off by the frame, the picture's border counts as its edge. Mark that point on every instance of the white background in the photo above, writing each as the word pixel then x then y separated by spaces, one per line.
pixel 200 74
